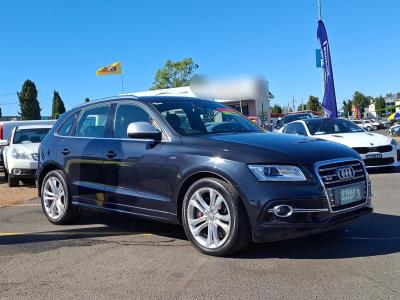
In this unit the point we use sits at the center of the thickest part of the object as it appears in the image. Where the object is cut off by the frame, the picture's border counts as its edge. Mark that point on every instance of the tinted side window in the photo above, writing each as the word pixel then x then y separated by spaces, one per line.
pixel 93 122
pixel 129 113
pixel 66 127
pixel 290 128
pixel 299 129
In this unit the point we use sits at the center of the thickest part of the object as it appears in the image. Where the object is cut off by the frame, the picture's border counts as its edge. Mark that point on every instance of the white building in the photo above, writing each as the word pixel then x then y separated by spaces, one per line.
pixel 248 96
pixel 389 102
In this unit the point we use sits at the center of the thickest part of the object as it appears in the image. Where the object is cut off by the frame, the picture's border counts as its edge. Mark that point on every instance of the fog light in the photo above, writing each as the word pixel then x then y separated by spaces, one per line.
pixel 16 171
pixel 283 211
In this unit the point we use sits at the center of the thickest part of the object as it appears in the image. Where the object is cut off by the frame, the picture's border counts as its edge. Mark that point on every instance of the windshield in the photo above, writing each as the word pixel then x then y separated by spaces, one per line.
pixel 197 117
pixel 295 117
pixel 27 136
pixel 331 126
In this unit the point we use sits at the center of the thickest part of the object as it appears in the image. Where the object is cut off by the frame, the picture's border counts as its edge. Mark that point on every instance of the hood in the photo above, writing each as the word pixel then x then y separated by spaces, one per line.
pixel 357 139
pixel 28 147
pixel 275 147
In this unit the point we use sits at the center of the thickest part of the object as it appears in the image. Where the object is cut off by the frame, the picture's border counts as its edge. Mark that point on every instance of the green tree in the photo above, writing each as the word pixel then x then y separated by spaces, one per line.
pixel 58 106
pixel 313 104
pixel 276 109
pixel 174 74
pixel 28 102
pixel 380 105
pixel 360 100
pixel 302 107
pixel 347 108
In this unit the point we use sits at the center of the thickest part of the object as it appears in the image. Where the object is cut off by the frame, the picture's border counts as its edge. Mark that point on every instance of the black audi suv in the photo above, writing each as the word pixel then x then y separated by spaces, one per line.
pixel 200 164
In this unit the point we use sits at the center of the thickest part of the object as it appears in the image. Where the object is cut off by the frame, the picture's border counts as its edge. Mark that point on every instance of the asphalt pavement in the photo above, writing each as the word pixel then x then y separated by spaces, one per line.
pixel 112 256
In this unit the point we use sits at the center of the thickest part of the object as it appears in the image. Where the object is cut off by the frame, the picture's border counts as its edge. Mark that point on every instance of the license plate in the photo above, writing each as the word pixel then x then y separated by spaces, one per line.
pixel 374 156
pixel 351 194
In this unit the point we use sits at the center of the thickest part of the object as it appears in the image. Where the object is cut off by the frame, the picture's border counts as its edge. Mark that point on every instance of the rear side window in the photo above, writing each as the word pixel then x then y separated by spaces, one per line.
pixel 66 127
pixel 93 122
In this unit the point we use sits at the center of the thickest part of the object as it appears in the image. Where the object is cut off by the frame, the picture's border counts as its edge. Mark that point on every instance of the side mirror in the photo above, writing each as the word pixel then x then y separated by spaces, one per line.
pixel 4 143
pixel 143 130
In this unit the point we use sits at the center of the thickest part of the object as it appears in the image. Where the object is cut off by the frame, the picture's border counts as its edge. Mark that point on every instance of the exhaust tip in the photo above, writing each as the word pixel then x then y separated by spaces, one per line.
pixel 283 211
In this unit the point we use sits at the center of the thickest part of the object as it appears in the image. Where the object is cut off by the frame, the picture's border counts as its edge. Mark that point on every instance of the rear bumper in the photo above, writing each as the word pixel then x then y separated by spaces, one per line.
pixel 281 231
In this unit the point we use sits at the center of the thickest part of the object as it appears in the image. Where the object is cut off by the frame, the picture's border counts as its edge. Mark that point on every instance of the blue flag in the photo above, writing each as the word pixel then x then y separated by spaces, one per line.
pixel 329 102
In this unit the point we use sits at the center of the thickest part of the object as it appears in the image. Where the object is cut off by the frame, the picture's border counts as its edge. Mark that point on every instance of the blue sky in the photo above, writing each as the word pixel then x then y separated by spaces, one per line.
pixel 60 44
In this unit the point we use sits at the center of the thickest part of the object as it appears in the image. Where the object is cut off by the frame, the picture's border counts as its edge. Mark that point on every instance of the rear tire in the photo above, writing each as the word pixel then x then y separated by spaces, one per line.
pixel 56 200
pixel 214 218
pixel 5 174
pixel 12 182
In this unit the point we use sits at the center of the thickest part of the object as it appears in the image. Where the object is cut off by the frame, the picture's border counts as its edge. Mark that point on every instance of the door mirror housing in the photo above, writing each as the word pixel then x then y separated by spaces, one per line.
pixel 4 143
pixel 143 130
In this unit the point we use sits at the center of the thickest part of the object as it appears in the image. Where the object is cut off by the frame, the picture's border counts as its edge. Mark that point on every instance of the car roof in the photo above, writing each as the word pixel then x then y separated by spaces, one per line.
pixel 140 98
pixel 34 127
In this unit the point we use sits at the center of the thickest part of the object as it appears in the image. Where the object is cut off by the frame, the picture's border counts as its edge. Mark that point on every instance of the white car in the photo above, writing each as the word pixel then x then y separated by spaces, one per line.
pixel 375 149
pixel 365 124
pixel 21 153
pixel 6 128
pixel 393 128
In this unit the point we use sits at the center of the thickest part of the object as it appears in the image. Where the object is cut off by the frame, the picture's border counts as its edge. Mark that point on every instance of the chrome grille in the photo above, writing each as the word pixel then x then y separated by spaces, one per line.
pixel 328 173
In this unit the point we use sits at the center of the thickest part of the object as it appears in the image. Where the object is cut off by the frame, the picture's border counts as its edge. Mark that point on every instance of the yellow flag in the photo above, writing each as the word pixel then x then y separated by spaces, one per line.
pixel 112 69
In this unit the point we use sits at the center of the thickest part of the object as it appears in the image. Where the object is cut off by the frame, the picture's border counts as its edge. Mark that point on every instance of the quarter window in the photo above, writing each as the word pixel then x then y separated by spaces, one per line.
pixel 93 122
pixel 65 128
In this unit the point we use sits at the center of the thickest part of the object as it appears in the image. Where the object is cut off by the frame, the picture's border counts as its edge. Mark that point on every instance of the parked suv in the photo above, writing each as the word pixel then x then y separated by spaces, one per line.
pixel 165 158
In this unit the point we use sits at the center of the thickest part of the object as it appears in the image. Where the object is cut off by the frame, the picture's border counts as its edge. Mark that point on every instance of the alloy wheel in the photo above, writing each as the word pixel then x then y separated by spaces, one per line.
pixel 209 218
pixel 54 198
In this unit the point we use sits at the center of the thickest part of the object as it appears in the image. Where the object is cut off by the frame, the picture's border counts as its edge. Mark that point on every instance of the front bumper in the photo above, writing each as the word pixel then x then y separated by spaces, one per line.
pixel 23 173
pixel 315 204
pixel 22 168
pixel 275 231
pixel 389 159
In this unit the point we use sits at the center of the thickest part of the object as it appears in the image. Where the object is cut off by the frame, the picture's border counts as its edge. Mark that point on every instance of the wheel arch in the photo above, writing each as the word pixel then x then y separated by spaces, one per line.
pixel 192 178
pixel 44 171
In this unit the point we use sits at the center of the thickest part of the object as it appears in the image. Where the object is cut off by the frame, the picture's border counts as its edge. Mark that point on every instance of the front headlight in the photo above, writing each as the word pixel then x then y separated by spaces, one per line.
pixel 19 154
pixel 393 143
pixel 277 173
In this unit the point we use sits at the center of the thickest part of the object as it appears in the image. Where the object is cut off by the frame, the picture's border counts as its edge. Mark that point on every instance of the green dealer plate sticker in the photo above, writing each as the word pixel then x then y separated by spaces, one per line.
pixel 351 194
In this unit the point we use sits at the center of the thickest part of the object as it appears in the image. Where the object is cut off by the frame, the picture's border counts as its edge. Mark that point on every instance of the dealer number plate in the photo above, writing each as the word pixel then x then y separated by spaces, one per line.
pixel 374 156
pixel 351 194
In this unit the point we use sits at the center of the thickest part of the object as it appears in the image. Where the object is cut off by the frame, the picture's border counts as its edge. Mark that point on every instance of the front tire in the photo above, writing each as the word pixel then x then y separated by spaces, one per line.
pixel 55 198
pixel 214 218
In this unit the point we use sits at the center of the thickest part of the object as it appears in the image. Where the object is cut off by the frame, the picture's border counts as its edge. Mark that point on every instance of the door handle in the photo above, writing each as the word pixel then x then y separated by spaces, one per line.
pixel 65 152
pixel 111 154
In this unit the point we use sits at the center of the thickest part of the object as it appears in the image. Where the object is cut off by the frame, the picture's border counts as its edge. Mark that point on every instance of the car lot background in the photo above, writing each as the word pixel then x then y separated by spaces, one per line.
pixel 112 256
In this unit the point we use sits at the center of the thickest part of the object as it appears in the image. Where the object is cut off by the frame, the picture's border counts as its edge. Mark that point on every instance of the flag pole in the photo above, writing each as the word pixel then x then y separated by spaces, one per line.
pixel 122 83
pixel 319 10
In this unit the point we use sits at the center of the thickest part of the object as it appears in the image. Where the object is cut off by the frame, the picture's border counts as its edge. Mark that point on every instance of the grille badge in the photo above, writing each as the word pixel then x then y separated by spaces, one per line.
pixel 345 173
